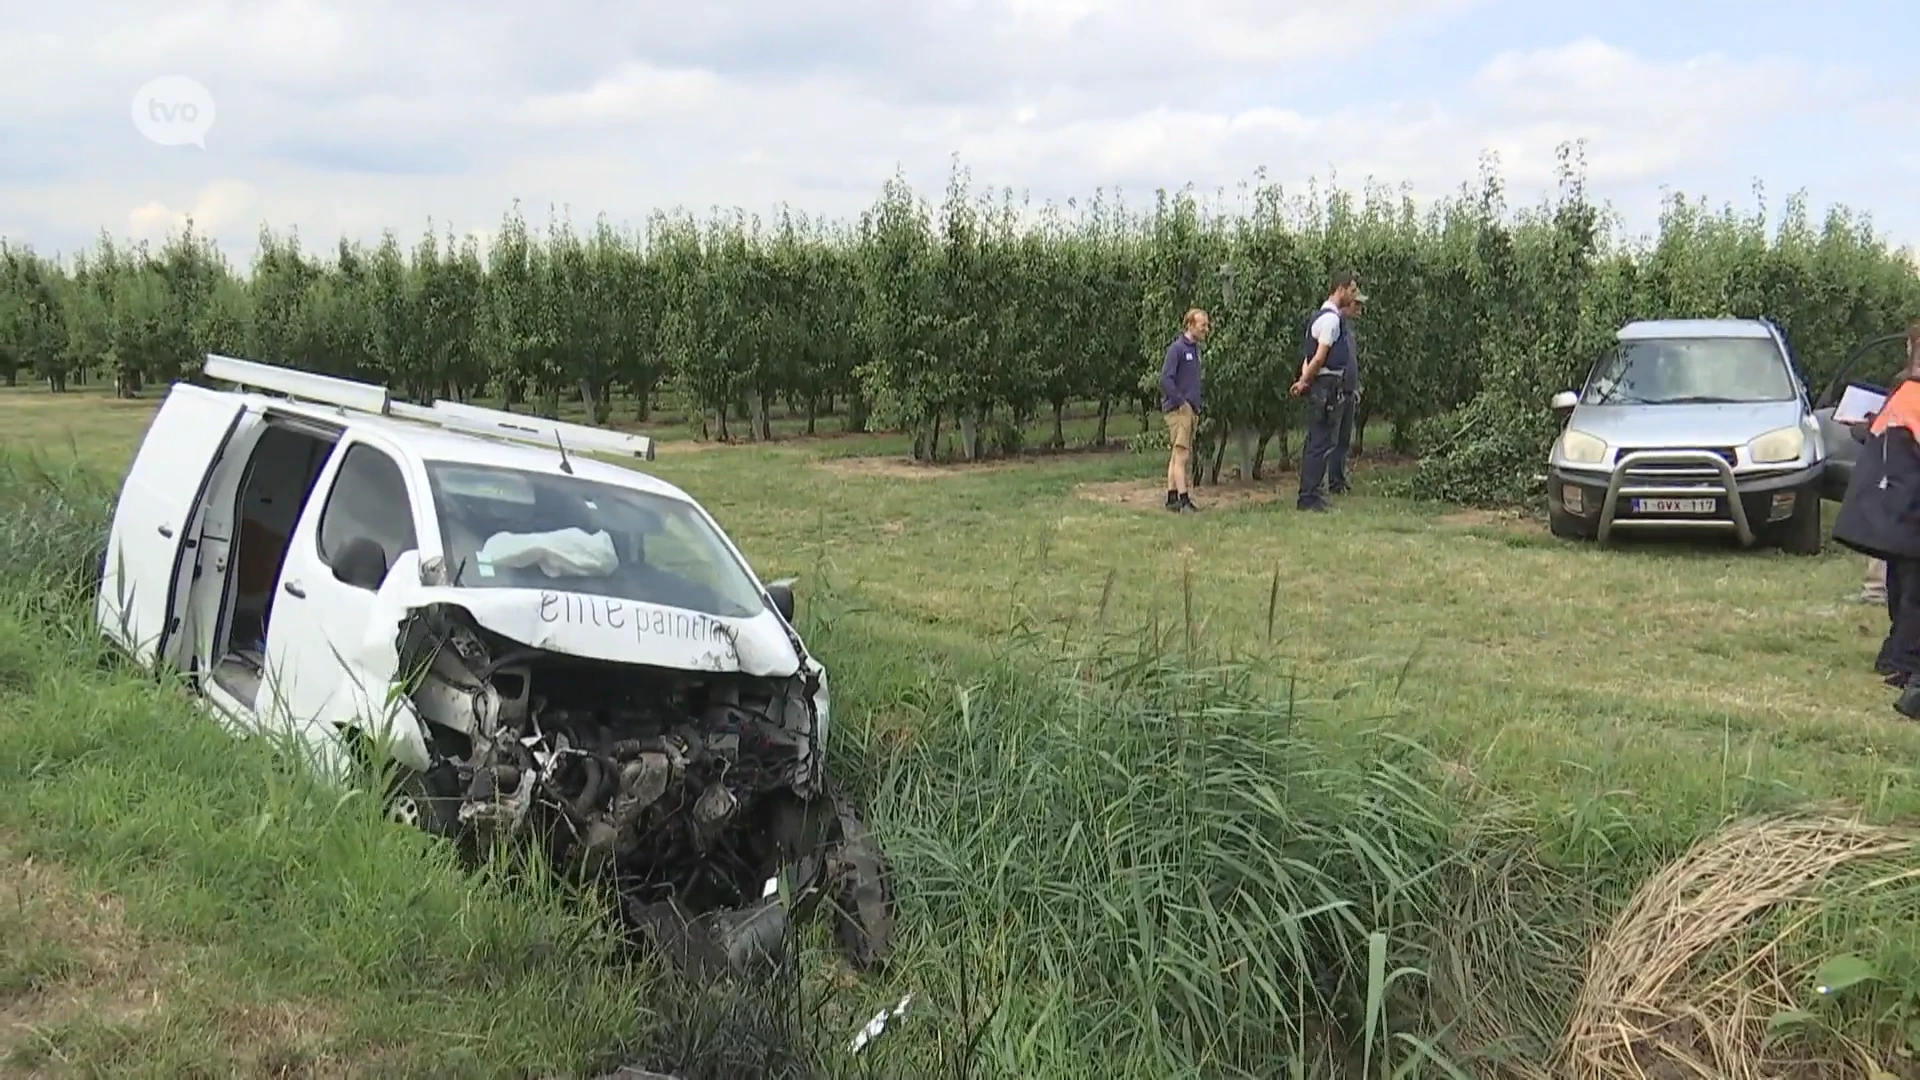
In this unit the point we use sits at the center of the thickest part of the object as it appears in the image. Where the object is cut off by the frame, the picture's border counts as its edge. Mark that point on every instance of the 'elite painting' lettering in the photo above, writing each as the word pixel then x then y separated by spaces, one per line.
pixel 602 611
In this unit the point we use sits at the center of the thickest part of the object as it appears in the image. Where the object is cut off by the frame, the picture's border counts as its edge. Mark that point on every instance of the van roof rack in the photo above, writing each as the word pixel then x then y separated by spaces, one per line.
pixel 371 398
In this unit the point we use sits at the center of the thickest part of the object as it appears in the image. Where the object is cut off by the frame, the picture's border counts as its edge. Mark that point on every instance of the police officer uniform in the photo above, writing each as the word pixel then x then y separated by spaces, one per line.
pixel 1330 407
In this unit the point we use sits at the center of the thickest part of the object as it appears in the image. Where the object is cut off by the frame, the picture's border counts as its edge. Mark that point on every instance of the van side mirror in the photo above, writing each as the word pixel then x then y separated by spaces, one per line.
pixel 1563 403
pixel 361 563
pixel 782 595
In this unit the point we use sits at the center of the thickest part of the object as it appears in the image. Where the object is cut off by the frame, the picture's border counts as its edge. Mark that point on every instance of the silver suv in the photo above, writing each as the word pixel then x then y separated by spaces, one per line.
pixel 1700 424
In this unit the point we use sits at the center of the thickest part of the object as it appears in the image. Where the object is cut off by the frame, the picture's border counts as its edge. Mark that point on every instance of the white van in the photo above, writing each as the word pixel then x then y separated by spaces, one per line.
pixel 546 644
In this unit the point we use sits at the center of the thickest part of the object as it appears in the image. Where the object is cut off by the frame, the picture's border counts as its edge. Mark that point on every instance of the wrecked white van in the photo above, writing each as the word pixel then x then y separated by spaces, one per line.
pixel 550 647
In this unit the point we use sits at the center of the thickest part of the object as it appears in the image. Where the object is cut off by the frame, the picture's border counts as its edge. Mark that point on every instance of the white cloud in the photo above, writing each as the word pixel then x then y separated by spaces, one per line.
pixel 1655 117
pixel 227 208
pixel 357 115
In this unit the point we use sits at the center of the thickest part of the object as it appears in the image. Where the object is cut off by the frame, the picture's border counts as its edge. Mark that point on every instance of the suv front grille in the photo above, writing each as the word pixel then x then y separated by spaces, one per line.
pixel 1725 454
pixel 1681 468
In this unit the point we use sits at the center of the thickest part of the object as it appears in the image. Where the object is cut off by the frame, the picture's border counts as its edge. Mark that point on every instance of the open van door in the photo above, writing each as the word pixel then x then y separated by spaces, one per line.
pixel 148 552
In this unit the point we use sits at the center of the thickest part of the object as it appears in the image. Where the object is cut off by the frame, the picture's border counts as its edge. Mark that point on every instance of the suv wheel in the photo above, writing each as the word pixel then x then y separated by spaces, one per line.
pixel 1800 534
pixel 1566 526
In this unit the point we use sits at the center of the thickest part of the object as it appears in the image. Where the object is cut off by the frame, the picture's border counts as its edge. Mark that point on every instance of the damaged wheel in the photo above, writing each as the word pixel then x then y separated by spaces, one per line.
pixel 415 801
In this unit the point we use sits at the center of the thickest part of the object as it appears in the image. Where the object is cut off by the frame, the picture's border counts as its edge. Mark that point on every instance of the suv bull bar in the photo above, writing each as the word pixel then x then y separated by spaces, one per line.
pixel 1729 487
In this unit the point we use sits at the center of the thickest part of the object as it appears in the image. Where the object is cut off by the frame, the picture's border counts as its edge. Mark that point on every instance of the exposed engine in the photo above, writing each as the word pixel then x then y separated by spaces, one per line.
pixel 694 793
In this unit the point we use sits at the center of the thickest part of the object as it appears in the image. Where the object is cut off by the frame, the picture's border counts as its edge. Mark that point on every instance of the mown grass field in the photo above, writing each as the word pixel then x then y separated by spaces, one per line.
pixel 1377 685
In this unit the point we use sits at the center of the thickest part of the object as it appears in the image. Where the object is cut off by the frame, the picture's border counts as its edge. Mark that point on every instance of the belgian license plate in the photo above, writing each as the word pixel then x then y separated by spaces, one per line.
pixel 1675 506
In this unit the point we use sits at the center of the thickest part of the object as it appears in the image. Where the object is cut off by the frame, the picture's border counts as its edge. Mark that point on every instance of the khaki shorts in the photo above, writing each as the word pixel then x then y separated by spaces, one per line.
pixel 1180 427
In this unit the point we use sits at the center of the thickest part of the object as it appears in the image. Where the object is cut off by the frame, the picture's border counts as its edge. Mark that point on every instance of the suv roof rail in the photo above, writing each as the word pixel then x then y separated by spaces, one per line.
pixel 375 400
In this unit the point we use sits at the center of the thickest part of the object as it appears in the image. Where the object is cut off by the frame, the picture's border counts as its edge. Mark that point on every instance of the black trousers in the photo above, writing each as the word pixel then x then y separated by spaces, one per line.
pixel 1342 444
pixel 1900 653
pixel 1327 401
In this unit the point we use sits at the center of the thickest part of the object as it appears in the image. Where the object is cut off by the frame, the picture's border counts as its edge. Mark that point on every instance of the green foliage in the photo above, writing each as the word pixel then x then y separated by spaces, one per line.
pixel 959 323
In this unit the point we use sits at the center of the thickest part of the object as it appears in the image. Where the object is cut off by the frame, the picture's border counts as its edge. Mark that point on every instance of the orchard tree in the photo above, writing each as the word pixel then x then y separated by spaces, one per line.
pixel 518 331
pixel 902 375
pixel 33 324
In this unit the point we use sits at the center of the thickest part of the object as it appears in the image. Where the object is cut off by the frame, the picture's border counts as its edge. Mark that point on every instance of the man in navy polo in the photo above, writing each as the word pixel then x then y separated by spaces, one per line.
pixel 1328 379
pixel 1180 401
pixel 1344 419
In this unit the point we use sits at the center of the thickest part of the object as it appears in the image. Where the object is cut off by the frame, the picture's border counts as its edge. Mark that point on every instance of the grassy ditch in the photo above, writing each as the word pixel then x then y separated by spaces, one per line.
pixel 1116 857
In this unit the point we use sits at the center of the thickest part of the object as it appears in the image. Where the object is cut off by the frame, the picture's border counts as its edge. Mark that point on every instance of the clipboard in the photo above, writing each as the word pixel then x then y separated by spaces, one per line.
pixel 1857 404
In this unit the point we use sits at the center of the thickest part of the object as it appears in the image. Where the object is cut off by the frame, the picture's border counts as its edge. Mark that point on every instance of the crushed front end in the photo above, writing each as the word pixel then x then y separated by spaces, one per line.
pixel 699 795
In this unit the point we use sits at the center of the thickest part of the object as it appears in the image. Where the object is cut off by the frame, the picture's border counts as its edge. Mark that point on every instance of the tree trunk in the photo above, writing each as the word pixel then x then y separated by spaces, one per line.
pixel 1248 467
pixel 1059 425
pixel 13 377
pixel 1145 426
pixel 933 441
pixel 970 436
pixel 721 427
pixel 1402 436
pixel 1100 434
pixel 1359 435
pixel 813 412
pixel 642 407
pixel 588 401
pixel 1260 453
pixel 1219 456
pixel 856 414
pixel 762 405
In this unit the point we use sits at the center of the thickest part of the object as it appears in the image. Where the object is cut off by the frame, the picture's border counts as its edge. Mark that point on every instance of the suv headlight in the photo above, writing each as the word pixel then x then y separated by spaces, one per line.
pixel 1580 448
pixel 1776 447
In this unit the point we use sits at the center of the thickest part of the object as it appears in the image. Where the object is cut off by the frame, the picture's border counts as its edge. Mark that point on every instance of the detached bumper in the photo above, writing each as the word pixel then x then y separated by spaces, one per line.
pixel 1678 490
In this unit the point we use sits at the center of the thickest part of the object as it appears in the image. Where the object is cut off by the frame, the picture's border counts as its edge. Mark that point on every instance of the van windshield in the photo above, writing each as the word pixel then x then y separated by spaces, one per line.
pixel 514 529
pixel 1690 371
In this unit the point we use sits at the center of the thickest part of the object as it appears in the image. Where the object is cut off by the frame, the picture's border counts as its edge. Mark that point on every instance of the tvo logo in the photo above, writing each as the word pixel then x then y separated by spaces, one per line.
pixel 173 110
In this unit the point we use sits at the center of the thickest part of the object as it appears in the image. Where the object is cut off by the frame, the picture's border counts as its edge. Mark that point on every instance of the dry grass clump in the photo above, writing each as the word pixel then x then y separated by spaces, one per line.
pixel 1683 986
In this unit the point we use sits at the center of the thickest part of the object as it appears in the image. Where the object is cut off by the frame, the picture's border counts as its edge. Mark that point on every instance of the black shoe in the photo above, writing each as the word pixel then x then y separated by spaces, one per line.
pixel 1899 680
pixel 1173 500
pixel 1316 506
pixel 1186 505
pixel 1909 703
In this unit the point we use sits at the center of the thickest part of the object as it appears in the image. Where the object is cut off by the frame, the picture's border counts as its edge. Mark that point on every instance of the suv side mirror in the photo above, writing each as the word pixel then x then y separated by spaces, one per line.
pixel 782 595
pixel 1563 403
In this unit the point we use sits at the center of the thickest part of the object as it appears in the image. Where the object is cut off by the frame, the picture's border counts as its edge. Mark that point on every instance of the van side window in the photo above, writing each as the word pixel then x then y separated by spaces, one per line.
pixel 368 502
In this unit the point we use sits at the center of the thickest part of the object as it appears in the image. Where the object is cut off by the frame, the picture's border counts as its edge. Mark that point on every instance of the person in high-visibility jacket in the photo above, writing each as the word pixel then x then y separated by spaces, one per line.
pixel 1880 516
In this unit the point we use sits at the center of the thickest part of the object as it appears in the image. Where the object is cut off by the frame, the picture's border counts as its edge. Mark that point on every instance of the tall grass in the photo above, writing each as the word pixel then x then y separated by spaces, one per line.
pixel 1120 859
pixel 1167 879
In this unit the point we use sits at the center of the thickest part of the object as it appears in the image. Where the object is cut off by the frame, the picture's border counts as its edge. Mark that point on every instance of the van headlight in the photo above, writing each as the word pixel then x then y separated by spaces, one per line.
pixel 1580 448
pixel 1777 447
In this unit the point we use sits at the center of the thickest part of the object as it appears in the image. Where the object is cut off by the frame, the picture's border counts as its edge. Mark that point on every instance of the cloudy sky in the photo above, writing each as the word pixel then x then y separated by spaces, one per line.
pixel 350 116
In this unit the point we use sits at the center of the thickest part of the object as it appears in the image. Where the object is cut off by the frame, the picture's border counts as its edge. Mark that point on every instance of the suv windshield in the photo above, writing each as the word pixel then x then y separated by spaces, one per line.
pixel 514 529
pixel 1690 371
